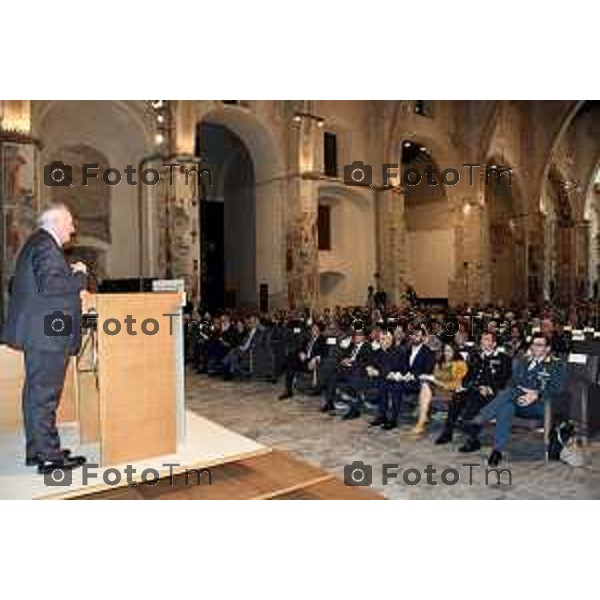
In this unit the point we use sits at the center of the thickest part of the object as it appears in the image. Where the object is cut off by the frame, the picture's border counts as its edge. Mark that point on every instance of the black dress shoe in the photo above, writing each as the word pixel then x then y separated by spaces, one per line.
pixel 471 445
pixel 327 407
pixel 378 422
pixel 389 425
pixel 444 438
pixel 66 464
pixel 495 458
pixel 285 395
pixel 352 413
pixel 34 462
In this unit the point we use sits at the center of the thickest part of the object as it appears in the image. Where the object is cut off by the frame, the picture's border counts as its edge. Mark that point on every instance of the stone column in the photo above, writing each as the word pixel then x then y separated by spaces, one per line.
pixel 565 261
pixel 471 270
pixel 581 244
pixel 302 258
pixel 391 242
pixel 535 256
pixel 181 194
pixel 19 187
pixel 183 221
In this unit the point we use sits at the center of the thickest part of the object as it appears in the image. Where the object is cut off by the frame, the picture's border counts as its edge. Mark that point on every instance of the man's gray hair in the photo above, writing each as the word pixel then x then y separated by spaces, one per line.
pixel 47 218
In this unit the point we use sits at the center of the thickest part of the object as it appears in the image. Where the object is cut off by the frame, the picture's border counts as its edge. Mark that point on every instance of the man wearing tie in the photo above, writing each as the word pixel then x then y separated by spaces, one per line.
pixel 351 372
pixel 43 321
pixel 306 360
pixel 536 379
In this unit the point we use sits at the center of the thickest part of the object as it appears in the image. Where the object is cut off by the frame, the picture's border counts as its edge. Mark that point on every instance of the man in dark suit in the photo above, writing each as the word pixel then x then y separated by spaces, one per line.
pixel 351 372
pixel 43 321
pixel 404 376
pixel 306 360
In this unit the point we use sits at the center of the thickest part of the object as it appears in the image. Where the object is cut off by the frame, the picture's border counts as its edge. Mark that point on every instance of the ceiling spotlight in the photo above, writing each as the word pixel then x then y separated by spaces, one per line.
pixel 407 144
pixel 493 167
pixel 423 149
pixel 159 138
pixel 160 118
pixel 297 118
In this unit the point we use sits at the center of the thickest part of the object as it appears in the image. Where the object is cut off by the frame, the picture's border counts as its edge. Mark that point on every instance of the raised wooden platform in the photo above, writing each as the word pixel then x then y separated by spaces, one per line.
pixel 272 476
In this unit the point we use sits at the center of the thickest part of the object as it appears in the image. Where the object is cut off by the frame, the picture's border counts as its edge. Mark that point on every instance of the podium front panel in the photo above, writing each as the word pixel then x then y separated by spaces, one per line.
pixel 137 375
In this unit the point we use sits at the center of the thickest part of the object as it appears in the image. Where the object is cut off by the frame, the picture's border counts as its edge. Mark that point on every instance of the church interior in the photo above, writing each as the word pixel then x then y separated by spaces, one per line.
pixel 281 216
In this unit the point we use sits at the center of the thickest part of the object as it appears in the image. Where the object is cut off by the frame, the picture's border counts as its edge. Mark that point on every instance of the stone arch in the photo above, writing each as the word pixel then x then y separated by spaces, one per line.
pixel 269 190
pixel 568 115
pixel 117 133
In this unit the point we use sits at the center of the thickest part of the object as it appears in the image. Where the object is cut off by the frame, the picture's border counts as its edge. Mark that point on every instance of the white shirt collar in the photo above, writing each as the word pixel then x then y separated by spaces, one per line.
pixel 53 234
pixel 415 349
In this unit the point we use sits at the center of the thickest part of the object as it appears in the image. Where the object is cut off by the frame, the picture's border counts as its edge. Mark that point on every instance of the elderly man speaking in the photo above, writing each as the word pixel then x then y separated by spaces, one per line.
pixel 43 321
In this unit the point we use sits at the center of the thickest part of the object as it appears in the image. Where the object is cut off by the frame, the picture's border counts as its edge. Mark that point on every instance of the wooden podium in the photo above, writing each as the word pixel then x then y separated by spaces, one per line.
pixel 126 391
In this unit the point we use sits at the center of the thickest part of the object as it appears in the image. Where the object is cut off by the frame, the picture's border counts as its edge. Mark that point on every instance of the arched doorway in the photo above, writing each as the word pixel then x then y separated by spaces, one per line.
pixel 227 221
pixel 242 216
pixel 430 230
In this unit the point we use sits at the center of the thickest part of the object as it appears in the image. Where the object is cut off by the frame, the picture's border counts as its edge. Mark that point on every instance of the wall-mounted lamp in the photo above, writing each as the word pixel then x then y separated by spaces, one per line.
pixel 15 119
pixel 299 116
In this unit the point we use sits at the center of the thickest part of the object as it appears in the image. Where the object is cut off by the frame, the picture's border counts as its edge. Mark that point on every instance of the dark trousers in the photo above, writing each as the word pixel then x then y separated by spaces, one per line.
pixel 393 392
pixel 293 365
pixel 44 380
pixel 467 405
pixel 350 380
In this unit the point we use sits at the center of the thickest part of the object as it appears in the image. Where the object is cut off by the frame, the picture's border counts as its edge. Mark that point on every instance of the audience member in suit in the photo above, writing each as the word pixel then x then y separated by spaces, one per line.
pixel 537 378
pixel 404 377
pixel 387 359
pixel 351 372
pixel 448 373
pixel 306 360
pixel 232 360
pixel 44 318
pixel 488 371
pixel 225 336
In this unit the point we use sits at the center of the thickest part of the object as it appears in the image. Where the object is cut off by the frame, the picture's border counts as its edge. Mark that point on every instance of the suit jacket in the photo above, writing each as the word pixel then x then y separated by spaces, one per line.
pixel 423 363
pixel 547 377
pixel 362 358
pixel 44 284
pixel 386 361
pixel 491 371
pixel 319 347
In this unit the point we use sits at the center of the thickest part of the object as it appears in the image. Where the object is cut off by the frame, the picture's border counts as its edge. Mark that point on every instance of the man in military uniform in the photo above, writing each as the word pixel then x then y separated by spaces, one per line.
pixel 537 379
pixel 488 372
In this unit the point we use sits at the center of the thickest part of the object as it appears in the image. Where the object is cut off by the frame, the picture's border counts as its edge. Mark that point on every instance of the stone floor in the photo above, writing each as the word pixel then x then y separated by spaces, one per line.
pixel 252 409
